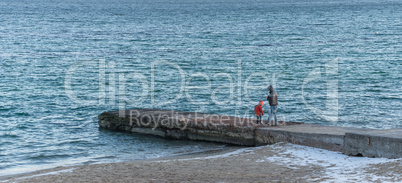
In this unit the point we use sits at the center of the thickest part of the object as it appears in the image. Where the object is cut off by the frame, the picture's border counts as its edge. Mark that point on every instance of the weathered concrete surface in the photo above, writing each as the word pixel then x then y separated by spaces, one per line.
pixel 327 141
pixel 182 125
pixel 244 131
pixel 325 137
pixel 384 143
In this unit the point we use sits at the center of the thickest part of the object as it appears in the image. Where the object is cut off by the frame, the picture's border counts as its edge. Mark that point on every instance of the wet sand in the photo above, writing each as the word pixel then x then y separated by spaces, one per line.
pixel 275 163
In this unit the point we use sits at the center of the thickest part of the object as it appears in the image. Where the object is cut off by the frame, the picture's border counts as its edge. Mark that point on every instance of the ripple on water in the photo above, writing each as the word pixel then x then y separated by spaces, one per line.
pixel 77 143
pixel 6 135
pixel 22 114
pixel 48 157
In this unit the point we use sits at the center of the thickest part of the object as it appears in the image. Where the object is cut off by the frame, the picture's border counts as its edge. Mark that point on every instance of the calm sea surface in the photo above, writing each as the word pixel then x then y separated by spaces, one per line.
pixel 62 63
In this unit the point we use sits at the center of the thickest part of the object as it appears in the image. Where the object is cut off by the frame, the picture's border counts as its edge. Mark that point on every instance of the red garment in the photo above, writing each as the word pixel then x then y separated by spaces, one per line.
pixel 258 110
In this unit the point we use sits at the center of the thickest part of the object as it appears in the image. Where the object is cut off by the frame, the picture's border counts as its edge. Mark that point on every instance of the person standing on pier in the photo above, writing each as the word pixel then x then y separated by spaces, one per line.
pixel 258 112
pixel 273 103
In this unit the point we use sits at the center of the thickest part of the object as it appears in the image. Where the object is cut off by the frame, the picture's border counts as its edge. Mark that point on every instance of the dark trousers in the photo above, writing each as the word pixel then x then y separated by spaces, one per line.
pixel 259 118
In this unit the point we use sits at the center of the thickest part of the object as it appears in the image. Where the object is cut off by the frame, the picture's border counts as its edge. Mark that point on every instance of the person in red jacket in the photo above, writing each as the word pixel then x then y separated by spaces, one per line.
pixel 258 111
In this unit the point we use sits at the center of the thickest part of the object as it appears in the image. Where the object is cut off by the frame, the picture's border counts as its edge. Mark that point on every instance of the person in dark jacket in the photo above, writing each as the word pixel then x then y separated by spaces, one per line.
pixel 258 112
pixel 273 103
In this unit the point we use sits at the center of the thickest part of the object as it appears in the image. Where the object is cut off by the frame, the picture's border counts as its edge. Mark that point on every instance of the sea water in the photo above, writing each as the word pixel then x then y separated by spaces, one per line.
pixel 62 63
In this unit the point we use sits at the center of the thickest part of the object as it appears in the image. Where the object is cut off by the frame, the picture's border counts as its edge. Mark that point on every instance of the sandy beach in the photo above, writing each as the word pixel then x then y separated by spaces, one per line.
pixel 273 163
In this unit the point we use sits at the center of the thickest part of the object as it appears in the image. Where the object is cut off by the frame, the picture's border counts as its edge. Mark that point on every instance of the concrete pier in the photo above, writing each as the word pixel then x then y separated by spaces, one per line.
pixel 245 131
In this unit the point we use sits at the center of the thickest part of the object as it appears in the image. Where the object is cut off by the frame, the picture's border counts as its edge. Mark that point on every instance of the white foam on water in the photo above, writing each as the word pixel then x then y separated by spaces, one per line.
pixel 238 152
pixel 337 166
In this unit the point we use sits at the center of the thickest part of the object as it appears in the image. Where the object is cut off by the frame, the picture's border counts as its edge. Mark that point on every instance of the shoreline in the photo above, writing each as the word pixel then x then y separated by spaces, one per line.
pixel 271 163
pixel 62 168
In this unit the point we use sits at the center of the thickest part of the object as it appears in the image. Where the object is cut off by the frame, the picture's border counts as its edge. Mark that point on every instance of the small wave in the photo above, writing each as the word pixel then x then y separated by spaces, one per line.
pixel 73 142
pixel 6 109
pixel 7 135
pixel 265 45
pixel 48 157
pixel 22 127
pixel 320 24
pixel 5 166
pixel 374 90
pixel 22 114
pixel 89 162
pixel 104 157
pixel 5 144
pixel 389 97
